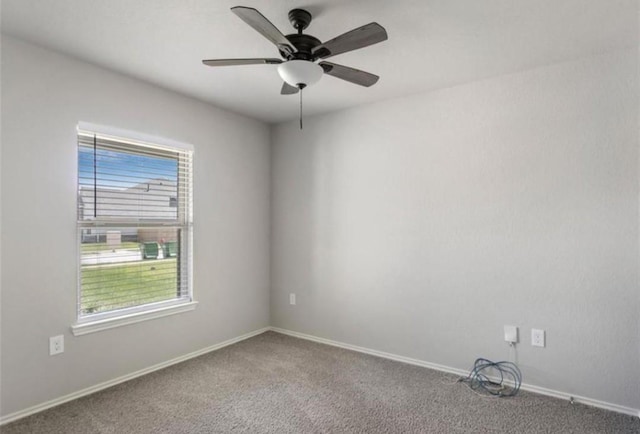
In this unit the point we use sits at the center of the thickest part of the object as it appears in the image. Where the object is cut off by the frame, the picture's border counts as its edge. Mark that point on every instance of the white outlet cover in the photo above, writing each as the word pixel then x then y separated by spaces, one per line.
pixel 537 338
pixel 292 299
pixel 56 345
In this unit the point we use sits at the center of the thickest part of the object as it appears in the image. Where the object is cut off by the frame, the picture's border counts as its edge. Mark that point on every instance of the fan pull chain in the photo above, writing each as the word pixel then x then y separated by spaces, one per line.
pixel 301 87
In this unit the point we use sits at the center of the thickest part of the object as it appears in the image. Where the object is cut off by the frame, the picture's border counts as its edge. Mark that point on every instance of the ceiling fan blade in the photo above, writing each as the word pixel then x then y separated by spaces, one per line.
pixel 265 27
pixel 233 62
pixel 287 89
pixel 361 37
pixel 352 75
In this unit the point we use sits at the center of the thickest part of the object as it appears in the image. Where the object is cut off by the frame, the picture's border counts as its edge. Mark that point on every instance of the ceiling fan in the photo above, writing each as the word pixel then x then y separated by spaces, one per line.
pixel 298 68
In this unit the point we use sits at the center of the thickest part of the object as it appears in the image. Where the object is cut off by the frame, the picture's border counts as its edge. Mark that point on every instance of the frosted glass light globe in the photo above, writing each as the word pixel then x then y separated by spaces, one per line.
pixel 300 72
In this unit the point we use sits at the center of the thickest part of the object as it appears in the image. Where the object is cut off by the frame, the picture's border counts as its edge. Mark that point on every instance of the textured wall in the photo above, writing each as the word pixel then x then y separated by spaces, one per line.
pixel 44 95
pixel 420 226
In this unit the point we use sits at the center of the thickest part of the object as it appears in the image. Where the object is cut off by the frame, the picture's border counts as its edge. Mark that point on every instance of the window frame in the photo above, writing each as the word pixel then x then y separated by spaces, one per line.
pixel 104 320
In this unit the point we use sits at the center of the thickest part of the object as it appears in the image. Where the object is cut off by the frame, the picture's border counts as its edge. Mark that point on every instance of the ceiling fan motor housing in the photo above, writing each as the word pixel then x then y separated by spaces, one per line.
pixel 304 44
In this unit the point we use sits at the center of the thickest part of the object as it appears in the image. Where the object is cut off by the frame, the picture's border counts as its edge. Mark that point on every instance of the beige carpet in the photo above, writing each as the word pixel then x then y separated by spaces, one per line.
pixel 278 384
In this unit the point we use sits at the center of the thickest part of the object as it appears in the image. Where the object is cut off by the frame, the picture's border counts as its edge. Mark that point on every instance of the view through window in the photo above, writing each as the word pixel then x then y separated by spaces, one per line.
pixel 134 226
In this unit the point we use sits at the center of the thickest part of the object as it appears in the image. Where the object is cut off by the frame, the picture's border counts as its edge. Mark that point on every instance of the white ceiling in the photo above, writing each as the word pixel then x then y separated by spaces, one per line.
pixel 432 43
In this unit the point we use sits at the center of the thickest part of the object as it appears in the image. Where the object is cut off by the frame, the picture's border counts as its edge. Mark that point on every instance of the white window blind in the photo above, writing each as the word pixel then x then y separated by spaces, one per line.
pixel 134 225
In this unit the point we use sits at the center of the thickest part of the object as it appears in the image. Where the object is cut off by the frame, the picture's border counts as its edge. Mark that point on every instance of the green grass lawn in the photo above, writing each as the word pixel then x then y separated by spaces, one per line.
pixel 110 287
pixel 100 247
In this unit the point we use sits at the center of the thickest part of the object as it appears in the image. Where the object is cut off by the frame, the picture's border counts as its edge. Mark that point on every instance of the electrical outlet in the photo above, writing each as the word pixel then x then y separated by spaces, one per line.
pixel 537 338
pixel 56 345
pixel 292 299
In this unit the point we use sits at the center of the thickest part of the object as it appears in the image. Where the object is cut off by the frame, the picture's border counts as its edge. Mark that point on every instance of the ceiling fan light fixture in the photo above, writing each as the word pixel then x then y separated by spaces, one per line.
pixel 300 73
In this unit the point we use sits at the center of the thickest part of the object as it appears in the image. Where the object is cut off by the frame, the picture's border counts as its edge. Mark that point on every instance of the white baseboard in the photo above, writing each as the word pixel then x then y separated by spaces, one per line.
pixel 89 390
pixel 528 387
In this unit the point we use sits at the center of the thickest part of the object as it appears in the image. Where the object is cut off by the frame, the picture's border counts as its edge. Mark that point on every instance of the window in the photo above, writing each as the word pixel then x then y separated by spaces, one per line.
pixel 134 227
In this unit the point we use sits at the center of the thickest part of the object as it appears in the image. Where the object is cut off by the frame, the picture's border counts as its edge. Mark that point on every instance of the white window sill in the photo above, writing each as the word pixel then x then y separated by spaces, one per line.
pixel 109 323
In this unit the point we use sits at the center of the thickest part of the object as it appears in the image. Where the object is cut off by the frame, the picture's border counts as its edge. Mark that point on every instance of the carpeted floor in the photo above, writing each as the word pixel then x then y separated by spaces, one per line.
pixel 274 383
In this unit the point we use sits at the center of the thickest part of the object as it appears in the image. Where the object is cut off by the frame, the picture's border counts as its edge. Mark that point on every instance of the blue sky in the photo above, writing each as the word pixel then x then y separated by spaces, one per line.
pixel 121 170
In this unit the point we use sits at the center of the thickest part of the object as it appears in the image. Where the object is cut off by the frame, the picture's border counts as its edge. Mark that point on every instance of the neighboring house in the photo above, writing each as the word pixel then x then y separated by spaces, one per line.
pixel 156 199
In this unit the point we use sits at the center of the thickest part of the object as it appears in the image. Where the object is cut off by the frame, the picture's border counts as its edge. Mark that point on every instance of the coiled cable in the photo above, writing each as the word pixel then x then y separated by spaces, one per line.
pixel 501 379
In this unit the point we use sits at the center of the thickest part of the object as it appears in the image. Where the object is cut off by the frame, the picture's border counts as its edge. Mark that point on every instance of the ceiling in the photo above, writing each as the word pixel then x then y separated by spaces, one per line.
pixel 432 43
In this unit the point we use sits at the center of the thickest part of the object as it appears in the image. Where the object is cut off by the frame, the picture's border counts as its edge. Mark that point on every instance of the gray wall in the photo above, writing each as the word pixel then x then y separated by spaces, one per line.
pixel 420 226
pixel 44 95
